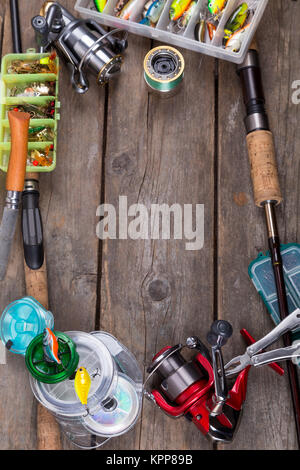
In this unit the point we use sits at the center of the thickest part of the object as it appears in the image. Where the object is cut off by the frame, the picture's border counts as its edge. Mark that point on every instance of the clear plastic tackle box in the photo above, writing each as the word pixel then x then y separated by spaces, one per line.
pixel 261 273
pixel 187 39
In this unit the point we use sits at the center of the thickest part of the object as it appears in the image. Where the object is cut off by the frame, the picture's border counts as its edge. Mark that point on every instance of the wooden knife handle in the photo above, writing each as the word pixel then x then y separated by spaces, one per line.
pixel 19 124
pixel 48 432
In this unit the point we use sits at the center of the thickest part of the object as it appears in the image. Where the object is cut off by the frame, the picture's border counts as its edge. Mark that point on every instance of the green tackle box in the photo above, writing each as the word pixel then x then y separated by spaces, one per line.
pixel 10 80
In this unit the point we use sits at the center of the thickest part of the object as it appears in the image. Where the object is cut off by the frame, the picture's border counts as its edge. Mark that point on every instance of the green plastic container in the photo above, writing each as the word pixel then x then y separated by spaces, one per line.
pixel 50 372
pixel 7 81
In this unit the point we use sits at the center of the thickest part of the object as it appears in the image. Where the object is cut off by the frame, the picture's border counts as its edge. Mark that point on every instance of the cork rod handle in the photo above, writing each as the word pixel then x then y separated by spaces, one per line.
pixel 264 171
pixel 19 124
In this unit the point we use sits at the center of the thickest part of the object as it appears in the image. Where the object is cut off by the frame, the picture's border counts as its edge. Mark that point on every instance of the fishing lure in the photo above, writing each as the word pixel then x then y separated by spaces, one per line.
pixel 82 384
pixel 50 346
pixel 234 43
pixel 38 158
pixel 153 13
pixel 36 112
pixel 44 65
pixel 130 11
pixel 216 6
pixel 35 89
pixel 40 134
pixel 119 6
pixel 177 8
pixel 236 21
pixel 211 28
pixel 180 25
pixel 100 4
pixel 187 15
pixel 200 30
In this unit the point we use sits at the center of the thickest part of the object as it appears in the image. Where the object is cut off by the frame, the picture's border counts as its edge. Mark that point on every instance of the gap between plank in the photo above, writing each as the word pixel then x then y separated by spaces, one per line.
pixel 102 201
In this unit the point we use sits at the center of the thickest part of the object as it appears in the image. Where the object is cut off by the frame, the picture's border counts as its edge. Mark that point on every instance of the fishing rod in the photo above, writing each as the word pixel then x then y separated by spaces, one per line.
pixel 15 26
pixel 32 228
pixel 267 193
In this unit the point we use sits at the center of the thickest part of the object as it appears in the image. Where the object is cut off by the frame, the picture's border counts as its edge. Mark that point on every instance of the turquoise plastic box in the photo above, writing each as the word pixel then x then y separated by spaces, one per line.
pixel 262 276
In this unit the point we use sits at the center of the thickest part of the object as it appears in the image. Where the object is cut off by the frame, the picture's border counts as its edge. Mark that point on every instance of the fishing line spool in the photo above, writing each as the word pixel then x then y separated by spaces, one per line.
pixel 115 395
pixel 114 400
pixel 84 44
pixel 164 70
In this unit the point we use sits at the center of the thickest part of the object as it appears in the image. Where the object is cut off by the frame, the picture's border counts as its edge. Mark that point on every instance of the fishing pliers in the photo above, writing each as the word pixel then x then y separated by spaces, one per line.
pixel 251 356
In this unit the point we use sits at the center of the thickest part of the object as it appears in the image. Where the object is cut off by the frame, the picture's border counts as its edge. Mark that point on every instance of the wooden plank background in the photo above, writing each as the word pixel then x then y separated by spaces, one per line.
pixel 149 293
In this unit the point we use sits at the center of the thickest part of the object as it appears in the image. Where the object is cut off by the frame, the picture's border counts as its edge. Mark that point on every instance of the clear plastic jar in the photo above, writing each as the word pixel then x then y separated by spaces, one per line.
pixel 114 401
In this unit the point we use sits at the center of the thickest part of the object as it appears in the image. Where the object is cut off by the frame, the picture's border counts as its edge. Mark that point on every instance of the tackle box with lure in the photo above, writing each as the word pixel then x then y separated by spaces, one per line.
pixel 9 82
pixel 262 276
pixel 160 31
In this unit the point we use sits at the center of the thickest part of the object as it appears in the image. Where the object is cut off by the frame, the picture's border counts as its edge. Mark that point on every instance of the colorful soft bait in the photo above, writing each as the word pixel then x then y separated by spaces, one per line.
pixel 82 385
pixel 50 346
pixel 236 21
pixel 177 8
pixel 100 4
pixel 216 6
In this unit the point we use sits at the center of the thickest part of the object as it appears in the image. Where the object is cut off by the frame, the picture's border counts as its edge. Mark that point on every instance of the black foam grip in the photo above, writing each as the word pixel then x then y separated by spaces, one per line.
pixel 32 230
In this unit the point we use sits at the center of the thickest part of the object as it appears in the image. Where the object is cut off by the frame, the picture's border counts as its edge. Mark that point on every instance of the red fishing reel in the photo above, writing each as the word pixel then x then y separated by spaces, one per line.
pixel 197 388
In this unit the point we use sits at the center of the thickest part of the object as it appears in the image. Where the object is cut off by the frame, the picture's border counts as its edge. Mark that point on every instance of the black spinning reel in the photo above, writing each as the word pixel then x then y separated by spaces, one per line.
pixel 84 44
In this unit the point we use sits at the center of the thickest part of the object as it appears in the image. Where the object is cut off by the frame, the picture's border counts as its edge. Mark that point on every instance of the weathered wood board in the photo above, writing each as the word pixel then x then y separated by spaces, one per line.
pixel 69 199
pixel 121 141
pixel 268 421
pixel 155 292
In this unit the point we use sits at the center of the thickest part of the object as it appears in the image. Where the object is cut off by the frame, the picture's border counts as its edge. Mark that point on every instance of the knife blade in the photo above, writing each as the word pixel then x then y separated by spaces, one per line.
pixel 19 124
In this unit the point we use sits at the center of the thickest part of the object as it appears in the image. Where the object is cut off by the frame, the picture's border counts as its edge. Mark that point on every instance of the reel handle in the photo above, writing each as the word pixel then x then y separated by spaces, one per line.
pixel 220 332
pixel 41 30
pixel 79 81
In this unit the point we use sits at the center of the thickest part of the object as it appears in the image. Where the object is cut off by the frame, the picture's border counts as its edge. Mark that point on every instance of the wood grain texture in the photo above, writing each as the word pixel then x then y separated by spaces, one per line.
pixel 151 293
pixel 18 428
pixel 69 198
pixel 268 421
pixel 154 292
